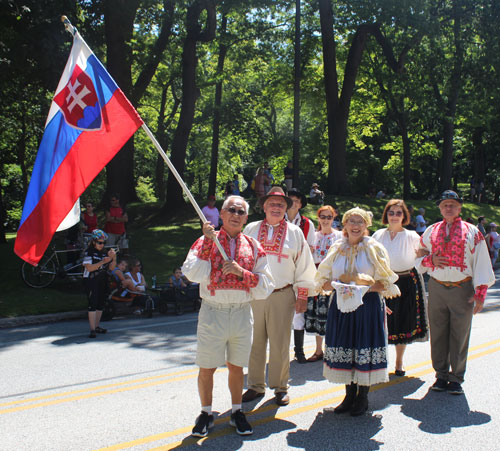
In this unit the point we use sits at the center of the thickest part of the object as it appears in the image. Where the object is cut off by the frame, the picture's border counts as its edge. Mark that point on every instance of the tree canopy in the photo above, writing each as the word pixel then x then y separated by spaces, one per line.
pixel 396 95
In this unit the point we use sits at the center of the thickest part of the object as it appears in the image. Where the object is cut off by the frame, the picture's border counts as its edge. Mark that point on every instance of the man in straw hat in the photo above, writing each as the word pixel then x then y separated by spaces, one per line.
pixel 460 270
pixel 293 271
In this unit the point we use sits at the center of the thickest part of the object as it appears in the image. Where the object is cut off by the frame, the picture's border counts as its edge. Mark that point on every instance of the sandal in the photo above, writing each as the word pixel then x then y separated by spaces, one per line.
pixel 100 330
pixel 315 357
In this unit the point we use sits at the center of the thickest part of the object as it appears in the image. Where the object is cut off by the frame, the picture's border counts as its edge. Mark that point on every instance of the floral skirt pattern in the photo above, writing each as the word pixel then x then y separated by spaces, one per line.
pixel 317 314
pixel 356 343
pixel 408 322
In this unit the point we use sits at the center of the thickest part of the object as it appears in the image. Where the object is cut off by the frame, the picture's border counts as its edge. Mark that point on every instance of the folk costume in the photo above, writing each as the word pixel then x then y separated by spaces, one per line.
pixel 467 274
pixel 225 318
pixel 317 306
pixel 293 270
pixel 307 227
pixel 408 321
pixel 356 336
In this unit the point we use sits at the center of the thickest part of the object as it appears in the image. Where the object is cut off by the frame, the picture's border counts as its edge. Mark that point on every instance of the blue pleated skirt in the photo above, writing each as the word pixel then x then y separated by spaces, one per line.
pixel 356 343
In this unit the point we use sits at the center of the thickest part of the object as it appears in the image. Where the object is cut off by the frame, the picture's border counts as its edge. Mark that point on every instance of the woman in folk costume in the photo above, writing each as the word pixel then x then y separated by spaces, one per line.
pixel 357 268
pixel 408 321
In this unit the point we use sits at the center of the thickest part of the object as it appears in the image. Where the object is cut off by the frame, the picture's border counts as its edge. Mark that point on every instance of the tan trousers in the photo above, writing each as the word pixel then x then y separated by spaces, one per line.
pixel 450 318
pixel 272 320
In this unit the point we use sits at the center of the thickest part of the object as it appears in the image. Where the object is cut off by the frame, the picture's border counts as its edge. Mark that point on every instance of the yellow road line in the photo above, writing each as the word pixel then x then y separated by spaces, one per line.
pixel 168 378
pixel 99 387
pixel 286 413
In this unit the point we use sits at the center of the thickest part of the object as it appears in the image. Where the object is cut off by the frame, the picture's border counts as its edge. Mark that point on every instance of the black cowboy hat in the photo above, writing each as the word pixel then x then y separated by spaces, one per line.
pixel 296 193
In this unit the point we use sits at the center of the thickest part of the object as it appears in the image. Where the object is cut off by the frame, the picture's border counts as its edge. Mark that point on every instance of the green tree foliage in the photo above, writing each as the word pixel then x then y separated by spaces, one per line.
pixel 422 110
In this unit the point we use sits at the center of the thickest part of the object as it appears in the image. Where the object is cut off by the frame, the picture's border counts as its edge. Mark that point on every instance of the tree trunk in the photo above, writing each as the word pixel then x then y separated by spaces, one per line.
pixel 296 98
pixel 119 18
pixel 451 105
pixel 3 217
pixel 214 160
pixel 189 95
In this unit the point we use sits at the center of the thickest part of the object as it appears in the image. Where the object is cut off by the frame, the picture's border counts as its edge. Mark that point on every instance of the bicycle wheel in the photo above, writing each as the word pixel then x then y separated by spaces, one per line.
pixel 40 276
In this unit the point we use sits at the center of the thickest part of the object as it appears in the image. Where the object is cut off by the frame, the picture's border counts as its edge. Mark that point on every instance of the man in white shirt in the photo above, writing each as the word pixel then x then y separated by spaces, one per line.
pixel 294 216
pixel 459 265
pixel 293 271
pixel 224 332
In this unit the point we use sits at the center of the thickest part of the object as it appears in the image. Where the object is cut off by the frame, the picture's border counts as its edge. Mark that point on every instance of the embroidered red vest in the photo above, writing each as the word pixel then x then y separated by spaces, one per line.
pixel 452 245
pixel 244 256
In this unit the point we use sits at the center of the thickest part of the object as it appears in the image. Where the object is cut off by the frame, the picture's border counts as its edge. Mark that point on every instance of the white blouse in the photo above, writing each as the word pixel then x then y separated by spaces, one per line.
pixel 402 249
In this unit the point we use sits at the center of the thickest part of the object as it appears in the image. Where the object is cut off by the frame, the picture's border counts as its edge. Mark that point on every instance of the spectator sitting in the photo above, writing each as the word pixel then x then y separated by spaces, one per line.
pixel 119 277
pixel 177 279
pixel 316 195
pixel 380 194
pixel 139 285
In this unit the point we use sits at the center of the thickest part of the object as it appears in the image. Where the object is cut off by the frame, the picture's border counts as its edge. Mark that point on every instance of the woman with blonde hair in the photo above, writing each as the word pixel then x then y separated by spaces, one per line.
pixel 317 306
pixel 407 322
pixel 357 268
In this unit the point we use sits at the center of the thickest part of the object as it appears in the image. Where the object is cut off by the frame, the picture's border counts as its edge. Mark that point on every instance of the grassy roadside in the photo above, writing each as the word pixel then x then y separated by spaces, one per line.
pixel 162 246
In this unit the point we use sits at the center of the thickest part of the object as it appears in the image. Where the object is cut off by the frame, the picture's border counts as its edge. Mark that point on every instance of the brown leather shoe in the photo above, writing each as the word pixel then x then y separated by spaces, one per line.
pixel 315 357
pixel 282 398
pixel 251 395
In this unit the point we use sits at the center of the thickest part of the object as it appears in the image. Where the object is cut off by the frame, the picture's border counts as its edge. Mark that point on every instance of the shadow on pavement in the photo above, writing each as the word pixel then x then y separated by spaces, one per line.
pixel 439 413
pixel 224 437
pixel 338 432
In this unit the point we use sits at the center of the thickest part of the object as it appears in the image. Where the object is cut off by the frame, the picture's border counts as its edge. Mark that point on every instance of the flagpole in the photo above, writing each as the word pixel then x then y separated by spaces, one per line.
pixel 71 29
pixel 183 185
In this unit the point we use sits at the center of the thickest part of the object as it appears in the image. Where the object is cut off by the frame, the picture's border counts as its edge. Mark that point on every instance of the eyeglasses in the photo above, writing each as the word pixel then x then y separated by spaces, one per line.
pixel 325 217
pixel 234 211
pixel 99 242
pixel 358 223
pixel 395 213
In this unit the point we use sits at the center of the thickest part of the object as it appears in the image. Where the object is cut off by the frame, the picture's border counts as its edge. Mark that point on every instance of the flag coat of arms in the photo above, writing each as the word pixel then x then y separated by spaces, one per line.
pixel 90 119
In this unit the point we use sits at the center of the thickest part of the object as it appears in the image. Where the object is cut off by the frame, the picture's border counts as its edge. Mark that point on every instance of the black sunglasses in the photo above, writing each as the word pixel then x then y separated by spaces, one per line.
pixel 234 211
pixel 99 242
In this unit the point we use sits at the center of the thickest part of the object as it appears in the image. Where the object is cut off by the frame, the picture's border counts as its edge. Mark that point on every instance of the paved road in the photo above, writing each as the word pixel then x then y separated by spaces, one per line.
pixel 135 389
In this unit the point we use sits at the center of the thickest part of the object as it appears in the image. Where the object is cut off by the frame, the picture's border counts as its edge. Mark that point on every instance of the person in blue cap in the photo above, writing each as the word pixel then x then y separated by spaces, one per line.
pixel 460 273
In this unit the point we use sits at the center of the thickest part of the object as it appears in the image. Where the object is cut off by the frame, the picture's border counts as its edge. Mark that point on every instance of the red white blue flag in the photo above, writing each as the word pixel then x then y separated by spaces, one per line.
pixel 89 121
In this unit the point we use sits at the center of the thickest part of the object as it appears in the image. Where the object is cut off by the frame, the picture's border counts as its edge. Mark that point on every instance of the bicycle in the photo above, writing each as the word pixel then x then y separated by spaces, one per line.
pixel 49 267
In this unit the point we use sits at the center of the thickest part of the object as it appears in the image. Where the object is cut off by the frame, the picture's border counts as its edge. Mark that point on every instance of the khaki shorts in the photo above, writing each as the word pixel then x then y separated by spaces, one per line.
pixel 224 334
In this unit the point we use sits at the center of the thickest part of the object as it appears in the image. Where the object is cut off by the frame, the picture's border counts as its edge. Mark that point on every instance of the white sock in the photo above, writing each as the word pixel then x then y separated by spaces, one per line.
pixel 235 407
pixel 207 409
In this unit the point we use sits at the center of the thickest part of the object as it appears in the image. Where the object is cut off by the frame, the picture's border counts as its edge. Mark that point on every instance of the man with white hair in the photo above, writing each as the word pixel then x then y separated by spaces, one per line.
pixel 224 332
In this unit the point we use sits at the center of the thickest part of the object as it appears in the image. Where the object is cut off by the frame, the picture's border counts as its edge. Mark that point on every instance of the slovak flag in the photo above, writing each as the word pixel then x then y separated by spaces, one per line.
pixel 89 121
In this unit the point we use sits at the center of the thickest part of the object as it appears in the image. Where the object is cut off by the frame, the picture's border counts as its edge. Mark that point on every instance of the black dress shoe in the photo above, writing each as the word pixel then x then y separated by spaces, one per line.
pixel 282 398
pixel 251 395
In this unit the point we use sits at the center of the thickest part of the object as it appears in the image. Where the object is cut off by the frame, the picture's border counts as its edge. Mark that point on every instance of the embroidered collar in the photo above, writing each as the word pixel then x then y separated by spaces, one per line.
pixel 275 245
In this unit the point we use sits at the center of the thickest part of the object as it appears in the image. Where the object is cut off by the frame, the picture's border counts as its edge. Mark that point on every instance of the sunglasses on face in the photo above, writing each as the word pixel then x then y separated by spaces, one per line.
pixel 395 213
pixel 356 223
pixel 325 217
pixel 99 242
pixel 234 211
